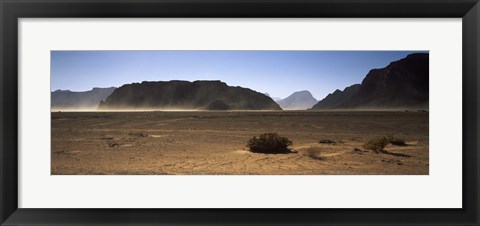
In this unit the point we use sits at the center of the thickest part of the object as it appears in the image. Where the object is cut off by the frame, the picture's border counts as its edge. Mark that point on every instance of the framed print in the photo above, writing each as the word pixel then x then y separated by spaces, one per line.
pixel 225 112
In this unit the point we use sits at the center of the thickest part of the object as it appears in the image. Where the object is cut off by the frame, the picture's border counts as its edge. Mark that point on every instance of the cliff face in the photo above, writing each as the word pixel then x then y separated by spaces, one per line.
pixel 184 95
pixel 88 100
pixel 402 84
pixel 300 100
pixel 337 98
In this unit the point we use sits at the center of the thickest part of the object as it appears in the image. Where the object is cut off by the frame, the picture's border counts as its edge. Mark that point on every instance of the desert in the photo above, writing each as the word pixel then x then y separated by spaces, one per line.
pixel 214 143
pixel 240 113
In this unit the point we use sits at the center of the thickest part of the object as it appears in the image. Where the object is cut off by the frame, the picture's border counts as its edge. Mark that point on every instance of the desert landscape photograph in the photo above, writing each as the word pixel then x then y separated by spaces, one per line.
pixel 239 112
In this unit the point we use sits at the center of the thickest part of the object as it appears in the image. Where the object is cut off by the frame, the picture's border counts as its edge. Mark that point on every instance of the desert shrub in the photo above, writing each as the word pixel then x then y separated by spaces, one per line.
pixel 313 154
pixel 398 141
pixel 270 143
pixel 377 144
pixel 358 150
pixel 326 141
pixel 395 140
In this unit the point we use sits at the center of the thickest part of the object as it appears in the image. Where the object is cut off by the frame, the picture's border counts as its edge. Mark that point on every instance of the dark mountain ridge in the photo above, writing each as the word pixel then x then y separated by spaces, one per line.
pixel 335 99
pixel 403 84
pixel 185 95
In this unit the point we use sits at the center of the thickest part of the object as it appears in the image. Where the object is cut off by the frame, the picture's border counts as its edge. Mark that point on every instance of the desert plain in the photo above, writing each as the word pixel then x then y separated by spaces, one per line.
pixel 214 143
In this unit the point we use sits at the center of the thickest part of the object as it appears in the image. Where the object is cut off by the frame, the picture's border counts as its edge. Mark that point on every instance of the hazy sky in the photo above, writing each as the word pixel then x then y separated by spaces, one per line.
pixel 278 73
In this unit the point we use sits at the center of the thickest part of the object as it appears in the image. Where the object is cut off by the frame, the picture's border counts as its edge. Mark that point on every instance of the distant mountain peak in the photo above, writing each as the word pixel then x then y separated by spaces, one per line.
pixel 62 90
pixel 299 100
pixel 85 100
pixel 301 92
pixel 99 88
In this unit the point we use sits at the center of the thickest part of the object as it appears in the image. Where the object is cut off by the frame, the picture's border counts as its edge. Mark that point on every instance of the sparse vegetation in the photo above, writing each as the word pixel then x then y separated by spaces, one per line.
pixel 326 141
pixel 377 144
pixel 269 143
pixel 138 134
pixel 358 151
pixel 313 154
pixel 398 141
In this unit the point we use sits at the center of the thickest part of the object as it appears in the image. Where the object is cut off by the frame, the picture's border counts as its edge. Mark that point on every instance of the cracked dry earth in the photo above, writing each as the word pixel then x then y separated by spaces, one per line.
pixel 212 143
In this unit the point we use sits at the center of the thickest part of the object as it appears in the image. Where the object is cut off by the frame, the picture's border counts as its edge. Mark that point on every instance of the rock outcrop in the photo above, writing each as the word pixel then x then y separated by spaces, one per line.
pixel 403 84
pixel 185 95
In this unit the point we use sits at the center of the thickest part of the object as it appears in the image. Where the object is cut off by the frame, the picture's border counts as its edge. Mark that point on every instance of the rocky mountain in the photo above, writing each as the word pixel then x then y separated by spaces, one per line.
pixel 337 98
pixel 88 100
pixel 300 100
pixel 185 95
pixel 403 84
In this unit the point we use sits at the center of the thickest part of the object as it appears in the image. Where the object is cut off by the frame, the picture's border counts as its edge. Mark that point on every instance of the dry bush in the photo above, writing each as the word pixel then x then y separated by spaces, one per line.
pixel 377 144
pixel 313 154
pixel 326 141
pixel 269 143
pixel 398 141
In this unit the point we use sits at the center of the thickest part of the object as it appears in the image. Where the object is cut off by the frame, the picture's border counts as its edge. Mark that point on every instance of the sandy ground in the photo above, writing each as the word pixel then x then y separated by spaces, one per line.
pixel 209 143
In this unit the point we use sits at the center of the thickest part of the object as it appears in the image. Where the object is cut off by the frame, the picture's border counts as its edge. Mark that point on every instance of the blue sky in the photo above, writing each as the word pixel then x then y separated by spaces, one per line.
pixel 279 73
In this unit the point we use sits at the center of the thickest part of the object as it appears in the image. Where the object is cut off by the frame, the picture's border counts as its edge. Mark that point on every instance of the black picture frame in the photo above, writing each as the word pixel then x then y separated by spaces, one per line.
pixel 12 10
